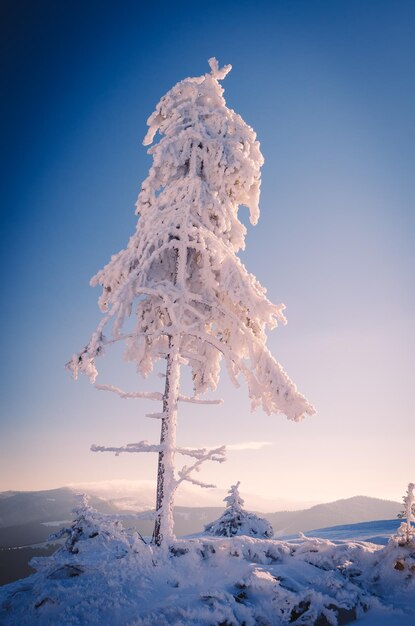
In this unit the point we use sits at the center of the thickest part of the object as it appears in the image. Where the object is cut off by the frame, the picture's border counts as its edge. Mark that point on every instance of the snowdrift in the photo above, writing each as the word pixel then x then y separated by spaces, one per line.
pixel 104 574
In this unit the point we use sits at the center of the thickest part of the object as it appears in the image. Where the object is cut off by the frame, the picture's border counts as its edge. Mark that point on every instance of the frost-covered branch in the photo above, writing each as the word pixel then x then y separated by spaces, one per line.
pixel 198 483
pixel 146 395
pixel 143 516
pixel 202 455
pixel 196 400
pixel 141 446
pixel 157 416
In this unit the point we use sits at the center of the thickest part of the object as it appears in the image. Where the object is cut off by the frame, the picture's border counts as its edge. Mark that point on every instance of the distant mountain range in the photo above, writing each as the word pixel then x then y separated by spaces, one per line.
pixel 27 518
pixel 348 511
pixel 23 508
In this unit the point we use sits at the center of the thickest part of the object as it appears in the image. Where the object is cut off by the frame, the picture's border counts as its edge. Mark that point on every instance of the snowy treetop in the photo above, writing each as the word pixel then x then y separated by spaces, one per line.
pixel 233 499
pixel 202 134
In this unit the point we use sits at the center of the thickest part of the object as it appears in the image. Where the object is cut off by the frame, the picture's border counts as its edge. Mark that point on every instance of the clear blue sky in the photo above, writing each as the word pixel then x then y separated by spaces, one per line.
pixel 329 87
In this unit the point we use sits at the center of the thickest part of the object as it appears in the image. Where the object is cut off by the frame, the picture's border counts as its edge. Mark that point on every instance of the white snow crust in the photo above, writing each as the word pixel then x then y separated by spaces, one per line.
pixel 107 575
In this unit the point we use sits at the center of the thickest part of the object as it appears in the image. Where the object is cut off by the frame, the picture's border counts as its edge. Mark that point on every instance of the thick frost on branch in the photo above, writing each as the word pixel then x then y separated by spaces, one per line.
pixel 202 455
pixel 148 516
pixel 141 446
pixel 146 395
pixel 215 454
pixel 157 416
pixel 196 400
pixel 217 73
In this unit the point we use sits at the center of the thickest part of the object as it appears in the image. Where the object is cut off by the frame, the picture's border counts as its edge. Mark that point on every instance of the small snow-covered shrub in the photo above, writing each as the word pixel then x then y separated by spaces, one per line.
pixel 236 521
pixel 394 565
pixel 91 538
pixel 406 532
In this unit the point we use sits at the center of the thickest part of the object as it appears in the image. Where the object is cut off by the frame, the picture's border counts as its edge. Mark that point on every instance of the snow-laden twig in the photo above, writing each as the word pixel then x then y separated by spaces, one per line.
pixel 156 416
pixel 126 336
pixel 146 395
pixel 202 455
pixel 196 400
pixel 141 446
pixel 198 483
pixel 143 516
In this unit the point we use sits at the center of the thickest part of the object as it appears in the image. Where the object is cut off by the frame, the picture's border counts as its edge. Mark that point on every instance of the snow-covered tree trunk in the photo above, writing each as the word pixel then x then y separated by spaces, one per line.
pixel 166 482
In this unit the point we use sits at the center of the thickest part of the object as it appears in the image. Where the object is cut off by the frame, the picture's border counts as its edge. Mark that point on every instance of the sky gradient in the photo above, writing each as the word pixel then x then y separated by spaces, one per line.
pixel 329 87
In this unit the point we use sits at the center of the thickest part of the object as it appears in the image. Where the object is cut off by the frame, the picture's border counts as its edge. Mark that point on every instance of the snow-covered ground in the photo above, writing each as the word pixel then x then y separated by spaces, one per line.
pixel 106 575
pixel 374 532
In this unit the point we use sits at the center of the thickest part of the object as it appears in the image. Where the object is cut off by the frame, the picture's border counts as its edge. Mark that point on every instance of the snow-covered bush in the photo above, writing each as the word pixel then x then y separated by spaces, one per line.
pixel 236 521
pixel 208 581
pixel 396 561
pixel 405 534
pixel 91 537
pixel 104 575
pixel 394 565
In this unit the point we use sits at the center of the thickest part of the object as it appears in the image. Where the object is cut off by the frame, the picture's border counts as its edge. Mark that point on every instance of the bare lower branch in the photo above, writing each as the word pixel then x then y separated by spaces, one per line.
pixel 146 395
pixel 145 515
pixel 123 337
pixel 196 400
pixel 203 453
pixel 216 454
pixel 141 446
pixel 199 483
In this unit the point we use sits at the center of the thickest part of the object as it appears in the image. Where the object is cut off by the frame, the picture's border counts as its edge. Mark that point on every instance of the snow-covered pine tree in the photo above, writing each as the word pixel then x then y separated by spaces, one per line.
pixel 193 300
pixel 89 524
pixel 406 530
pixel 90 538
pixel 236 521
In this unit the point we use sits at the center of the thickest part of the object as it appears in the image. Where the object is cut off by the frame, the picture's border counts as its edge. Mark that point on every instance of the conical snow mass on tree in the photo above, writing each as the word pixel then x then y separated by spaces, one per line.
pixel 236 521
pixel 406 531
pixel 193 300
